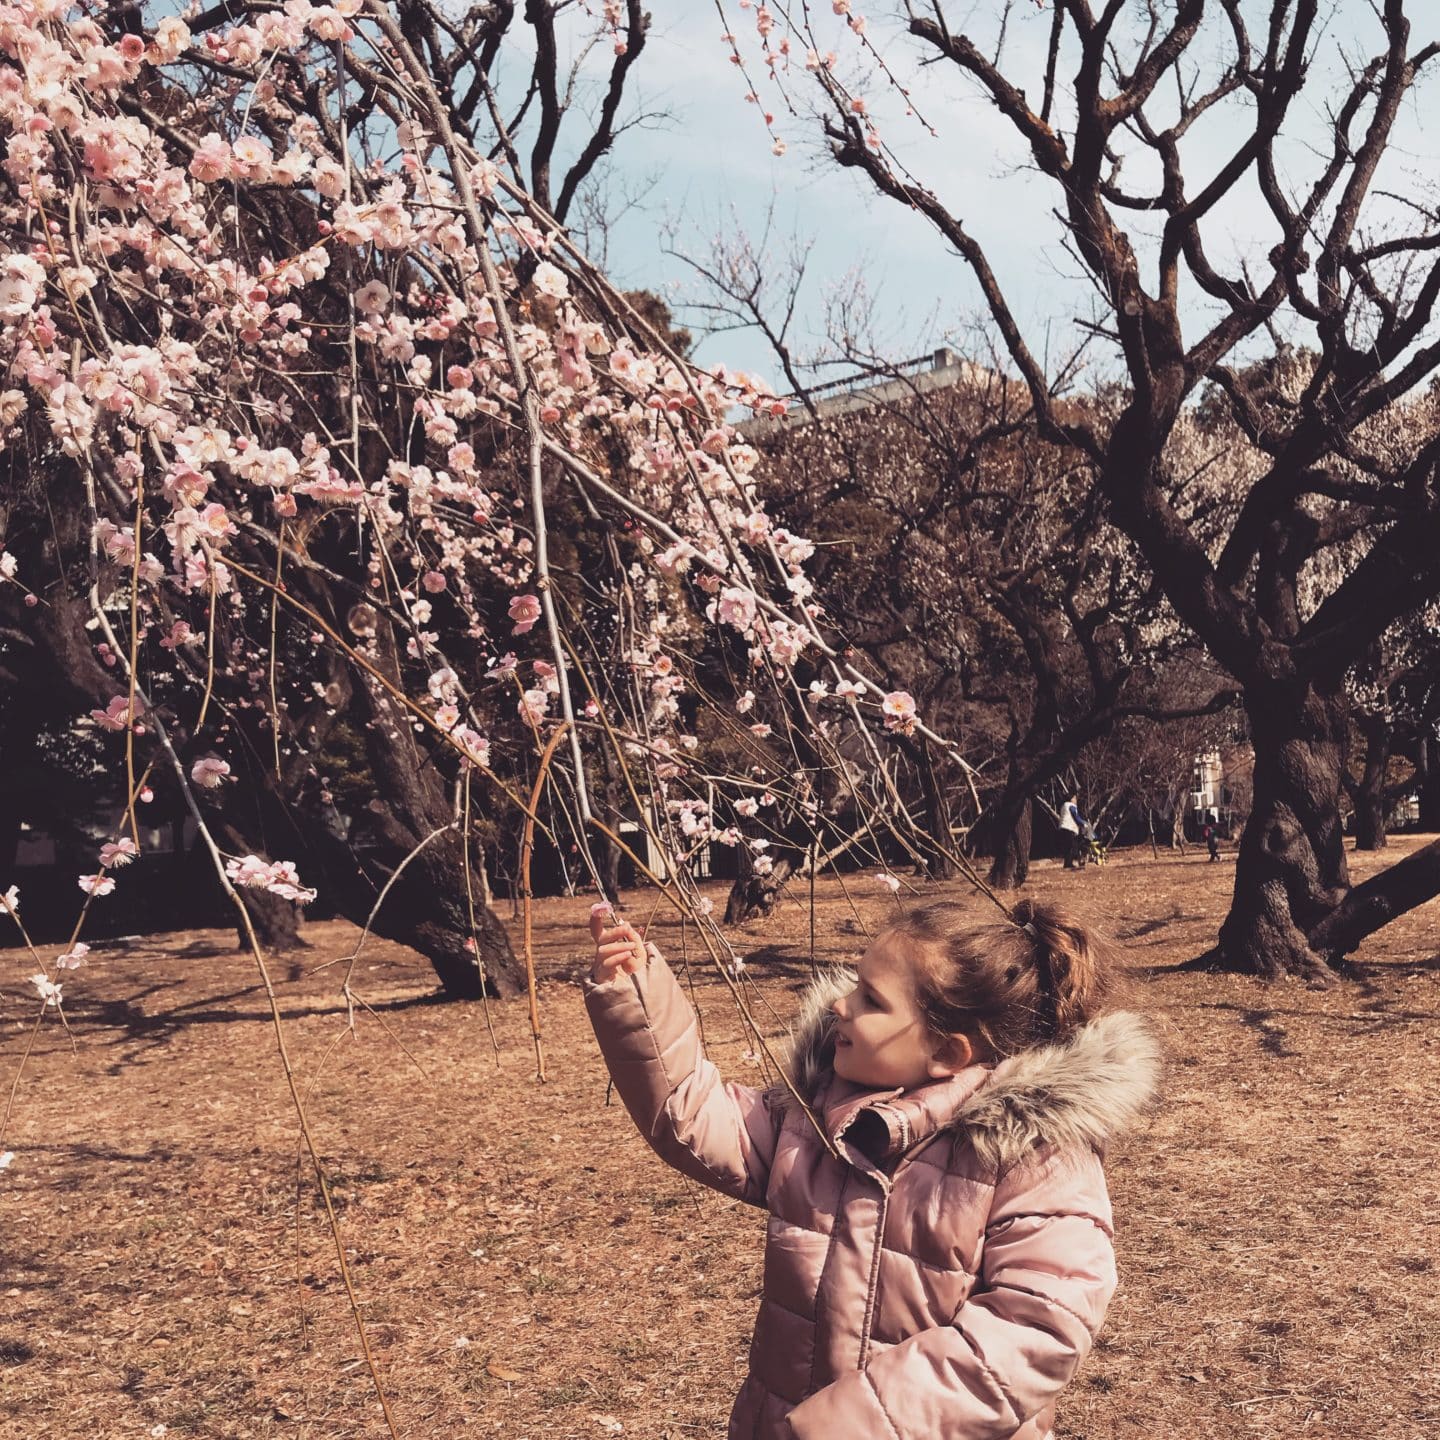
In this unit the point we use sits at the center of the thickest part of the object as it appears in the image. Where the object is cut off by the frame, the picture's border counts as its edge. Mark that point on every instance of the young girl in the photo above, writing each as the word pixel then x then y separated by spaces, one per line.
pixel 939 1268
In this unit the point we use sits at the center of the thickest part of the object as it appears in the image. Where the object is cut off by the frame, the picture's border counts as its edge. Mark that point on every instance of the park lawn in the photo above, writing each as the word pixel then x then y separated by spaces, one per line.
pixel 528 1269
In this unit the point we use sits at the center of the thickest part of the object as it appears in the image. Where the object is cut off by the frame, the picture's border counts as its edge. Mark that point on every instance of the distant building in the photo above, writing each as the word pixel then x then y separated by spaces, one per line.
pixel 1206 798
pixel 1220 788
pixel 941 369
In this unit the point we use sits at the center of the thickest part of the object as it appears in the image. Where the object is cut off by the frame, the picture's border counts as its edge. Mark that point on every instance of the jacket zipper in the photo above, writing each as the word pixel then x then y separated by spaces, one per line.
pixel 874 1275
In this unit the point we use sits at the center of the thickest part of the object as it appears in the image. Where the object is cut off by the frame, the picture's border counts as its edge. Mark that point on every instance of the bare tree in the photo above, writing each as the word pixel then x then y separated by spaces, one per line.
pixel 1346 450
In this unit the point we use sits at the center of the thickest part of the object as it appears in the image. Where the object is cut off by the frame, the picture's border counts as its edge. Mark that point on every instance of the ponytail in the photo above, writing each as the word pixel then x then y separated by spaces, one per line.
pixel 1034 979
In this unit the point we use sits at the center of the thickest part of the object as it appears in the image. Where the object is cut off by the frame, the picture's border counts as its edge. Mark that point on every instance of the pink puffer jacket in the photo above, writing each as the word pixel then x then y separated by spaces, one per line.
pixel 942 1274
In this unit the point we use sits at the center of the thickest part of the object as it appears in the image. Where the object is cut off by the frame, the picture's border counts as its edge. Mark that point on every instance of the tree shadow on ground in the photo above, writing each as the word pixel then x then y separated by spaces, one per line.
pixel 781 964
pixel 1177 916
pixel 1268 1025
pixel 125 1022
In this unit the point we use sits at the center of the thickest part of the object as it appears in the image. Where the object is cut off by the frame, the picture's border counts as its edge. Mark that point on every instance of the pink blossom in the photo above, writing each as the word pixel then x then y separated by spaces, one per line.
pixel 210 771
pixel 10 901
pixel 49 990
pixel 434 581
pixel 372 298
pixel 534 706
pixel 898 708
pixel 793 549
pixel 21 280
pixel 524 612
pixel 74 957
pixel 550 280
pixel 887 881
pixel 473 746
pixel 735 607
pixel 675 558
pixel 248 870
pixel 172 37
pixel 115 716
pixel 216 521
pixel 285 882
pixel 95 884
pixel 785 643
pixel 326 22
pixel 211 160
pixel 443 684
pixel 118 852
pixel 278 877
pixel 251 158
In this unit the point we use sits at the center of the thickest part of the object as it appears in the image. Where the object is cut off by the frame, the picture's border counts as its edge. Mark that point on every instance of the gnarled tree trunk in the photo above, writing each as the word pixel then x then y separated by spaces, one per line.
pixel 937 843
pixel 277 923
pixel 410 836
pixel 1428 766
pixel 1291 871
pixel 1012 830
pixel 753 895
pixel 1368 793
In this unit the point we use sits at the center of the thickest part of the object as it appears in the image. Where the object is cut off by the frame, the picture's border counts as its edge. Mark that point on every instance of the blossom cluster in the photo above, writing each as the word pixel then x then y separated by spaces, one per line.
pixel 218 387
pixel 279 877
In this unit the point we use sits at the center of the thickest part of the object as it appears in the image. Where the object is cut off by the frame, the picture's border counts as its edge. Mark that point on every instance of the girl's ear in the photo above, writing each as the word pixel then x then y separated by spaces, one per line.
pixel 950 1057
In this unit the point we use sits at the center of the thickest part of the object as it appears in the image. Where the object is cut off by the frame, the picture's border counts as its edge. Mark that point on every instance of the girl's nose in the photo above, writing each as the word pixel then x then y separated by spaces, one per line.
pixel 837 1006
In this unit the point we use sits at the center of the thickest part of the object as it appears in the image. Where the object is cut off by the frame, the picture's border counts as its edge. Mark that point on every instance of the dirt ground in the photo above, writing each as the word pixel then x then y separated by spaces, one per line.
pixel 528 1269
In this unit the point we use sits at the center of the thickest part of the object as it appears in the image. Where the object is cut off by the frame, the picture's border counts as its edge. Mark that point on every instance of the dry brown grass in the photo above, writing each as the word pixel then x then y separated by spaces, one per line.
pixel 528 1269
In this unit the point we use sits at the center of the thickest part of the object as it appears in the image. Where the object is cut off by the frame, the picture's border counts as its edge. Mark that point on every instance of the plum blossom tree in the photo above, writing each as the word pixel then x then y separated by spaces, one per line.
pixel 339 483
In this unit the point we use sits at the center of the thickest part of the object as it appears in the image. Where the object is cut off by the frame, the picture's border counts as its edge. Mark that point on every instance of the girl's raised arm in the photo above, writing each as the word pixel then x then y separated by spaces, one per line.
pixel 720 1134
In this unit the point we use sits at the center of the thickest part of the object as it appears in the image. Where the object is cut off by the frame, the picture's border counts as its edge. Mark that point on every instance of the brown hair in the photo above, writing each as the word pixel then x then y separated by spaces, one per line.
pixel 1007 984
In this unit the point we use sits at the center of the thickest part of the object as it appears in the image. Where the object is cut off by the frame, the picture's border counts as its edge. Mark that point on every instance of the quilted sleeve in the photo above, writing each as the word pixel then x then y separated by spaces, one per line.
pixel 720 1134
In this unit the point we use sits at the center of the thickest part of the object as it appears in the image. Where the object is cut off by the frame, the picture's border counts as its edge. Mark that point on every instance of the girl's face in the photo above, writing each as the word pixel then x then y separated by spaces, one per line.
pixel 882 1040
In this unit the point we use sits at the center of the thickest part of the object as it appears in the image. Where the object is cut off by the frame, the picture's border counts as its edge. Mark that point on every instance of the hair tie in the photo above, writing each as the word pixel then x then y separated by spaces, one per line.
pixel 1029 928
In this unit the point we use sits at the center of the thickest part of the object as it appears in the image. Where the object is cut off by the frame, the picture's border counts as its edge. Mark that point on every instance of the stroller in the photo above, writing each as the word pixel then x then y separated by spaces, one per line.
pixel 1092 850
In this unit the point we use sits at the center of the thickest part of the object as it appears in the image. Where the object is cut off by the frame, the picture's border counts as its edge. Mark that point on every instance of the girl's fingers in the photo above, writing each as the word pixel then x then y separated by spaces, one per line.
pixel 604 970
pixel 620 948
pixel 614 954
pixel 620 934
pixel 618 945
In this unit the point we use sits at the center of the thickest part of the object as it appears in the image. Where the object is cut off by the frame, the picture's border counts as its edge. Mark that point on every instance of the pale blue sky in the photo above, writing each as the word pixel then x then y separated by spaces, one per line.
pixel 713 158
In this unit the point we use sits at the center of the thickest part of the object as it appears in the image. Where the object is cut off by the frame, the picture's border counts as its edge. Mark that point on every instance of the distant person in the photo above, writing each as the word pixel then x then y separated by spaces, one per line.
pixel 1077 830
pixel 1212 840
pixel 940 1261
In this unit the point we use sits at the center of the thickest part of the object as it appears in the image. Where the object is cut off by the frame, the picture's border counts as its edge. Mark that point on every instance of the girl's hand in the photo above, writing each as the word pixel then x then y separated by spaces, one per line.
pixel 619 947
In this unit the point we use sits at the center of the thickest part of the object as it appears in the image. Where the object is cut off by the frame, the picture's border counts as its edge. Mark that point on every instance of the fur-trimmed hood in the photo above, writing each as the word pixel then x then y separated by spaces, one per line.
pixel 1086 1091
